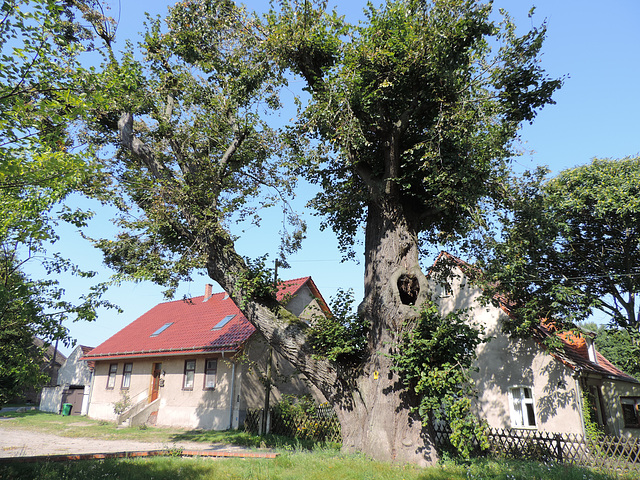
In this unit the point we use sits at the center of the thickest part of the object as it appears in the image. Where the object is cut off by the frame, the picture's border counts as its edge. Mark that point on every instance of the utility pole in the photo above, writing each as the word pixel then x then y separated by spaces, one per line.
pixel 269 367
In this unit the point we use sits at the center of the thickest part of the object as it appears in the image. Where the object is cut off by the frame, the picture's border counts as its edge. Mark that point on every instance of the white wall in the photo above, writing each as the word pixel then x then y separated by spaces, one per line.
pixel 504 363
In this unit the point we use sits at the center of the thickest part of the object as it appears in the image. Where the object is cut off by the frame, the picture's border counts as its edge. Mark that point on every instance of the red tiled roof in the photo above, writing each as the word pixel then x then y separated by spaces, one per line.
pixel 574 354
pixel 191 330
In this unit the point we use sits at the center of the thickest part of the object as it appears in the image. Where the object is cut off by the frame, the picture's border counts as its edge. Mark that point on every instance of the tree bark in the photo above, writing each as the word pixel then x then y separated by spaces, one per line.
pixel 372 404
pixel 381 423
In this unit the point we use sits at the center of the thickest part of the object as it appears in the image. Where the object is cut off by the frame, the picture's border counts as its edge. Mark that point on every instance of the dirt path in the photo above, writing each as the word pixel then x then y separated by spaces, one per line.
pixel 22 443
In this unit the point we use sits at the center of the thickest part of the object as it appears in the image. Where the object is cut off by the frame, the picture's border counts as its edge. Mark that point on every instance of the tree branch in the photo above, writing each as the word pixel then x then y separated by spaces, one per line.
pixel 138 147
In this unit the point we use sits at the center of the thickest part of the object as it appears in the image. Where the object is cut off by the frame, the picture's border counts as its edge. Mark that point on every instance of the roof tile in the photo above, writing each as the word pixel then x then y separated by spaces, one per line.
pixel 192 321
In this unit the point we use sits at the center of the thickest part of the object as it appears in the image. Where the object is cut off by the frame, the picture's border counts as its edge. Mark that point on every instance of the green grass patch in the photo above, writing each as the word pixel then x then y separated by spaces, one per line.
pixel 317 465
pixel 239 437
pixel 79 426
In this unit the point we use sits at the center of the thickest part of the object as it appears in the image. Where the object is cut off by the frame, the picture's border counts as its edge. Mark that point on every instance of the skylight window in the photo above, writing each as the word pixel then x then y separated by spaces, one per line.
pixel 161 329
pixel 224 321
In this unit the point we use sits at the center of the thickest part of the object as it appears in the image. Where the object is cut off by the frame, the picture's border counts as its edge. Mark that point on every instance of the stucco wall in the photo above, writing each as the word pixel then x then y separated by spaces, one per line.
pixel 612 390
pixel 51 399
pixel 196 408
pixel 72 372
pixel 504 363
pixel 304 305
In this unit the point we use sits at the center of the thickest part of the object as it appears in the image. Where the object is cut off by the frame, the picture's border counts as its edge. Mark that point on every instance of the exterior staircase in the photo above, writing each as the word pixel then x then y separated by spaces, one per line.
pixel 138 414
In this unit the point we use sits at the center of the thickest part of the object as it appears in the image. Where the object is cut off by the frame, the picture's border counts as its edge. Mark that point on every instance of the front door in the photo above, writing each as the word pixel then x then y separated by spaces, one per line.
pixel 155 381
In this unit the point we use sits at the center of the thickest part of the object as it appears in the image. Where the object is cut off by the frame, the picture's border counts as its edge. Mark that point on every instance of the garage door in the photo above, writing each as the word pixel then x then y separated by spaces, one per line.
pixel 74 396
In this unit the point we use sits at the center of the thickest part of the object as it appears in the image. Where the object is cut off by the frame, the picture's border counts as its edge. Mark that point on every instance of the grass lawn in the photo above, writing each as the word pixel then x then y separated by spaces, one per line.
pixel 317 465
pixel 297 460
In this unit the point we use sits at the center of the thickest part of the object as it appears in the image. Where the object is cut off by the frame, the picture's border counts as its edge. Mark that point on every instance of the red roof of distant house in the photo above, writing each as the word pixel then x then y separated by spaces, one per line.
pixel 192 327
pixel 85 351
pixel 574 352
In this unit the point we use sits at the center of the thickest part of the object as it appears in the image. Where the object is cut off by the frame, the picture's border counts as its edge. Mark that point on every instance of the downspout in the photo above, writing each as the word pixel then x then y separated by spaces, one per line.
pixel 91 382
pixel 576 378
pixel 231 393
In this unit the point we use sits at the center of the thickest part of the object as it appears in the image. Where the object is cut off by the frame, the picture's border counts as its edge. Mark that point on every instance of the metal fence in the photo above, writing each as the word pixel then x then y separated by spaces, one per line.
pixel 319 425
pixel 606 452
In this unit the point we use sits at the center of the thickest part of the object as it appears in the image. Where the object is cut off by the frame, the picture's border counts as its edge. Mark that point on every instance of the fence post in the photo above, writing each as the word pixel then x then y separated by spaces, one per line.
pixel 558 439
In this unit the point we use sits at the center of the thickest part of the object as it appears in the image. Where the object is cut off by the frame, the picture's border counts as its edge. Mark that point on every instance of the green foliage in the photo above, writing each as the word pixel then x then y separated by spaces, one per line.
pixel 341 336
pixel 257 281
pixel 123 404
pixel 299 416
pixel 21 319
pixel 434 361
pixel 571 244
pixel 41 165
pixel 592 429
pixel 618 346
pixel 199 154
pixel 413 106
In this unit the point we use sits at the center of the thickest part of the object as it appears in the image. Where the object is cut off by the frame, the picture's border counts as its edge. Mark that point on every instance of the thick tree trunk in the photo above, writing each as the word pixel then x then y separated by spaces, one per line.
pixel 373 407
pixel 381 422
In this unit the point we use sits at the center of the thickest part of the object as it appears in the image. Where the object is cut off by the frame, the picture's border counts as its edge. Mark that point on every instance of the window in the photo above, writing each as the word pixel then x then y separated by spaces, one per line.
pixel 210 370
pixel 111 380
pixel 522 407
pixel 126 375
pixel 189 374
pixel 161 329
pixel 631 411
pixel 224 321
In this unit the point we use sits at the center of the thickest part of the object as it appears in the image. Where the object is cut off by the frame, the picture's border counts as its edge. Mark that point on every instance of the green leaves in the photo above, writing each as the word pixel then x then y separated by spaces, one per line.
pixel 434 361
pixel 342 336
pixel 415 107
pixel 41 165
pixel 572 245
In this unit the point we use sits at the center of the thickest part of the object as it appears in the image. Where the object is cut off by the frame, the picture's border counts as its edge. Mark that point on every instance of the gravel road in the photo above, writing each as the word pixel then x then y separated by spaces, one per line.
pixel 23 443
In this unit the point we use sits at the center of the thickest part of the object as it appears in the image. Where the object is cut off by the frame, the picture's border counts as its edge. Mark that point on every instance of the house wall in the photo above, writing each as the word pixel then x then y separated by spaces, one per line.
pixel 304 305
pixel 286 380
pixel 72 372
pixel 504 363
pixel 197 408
pixel 611 391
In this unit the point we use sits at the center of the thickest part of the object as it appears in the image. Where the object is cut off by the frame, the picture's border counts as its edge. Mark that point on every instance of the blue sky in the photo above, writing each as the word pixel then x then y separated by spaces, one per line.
pixel 597 48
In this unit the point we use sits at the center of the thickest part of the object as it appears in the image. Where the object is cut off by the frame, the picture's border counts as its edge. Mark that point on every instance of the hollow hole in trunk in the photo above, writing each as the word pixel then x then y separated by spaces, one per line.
pixel 408 288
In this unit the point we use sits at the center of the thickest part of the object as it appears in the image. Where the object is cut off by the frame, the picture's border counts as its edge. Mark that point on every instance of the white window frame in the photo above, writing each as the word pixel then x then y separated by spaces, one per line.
pixel 189 375
pixel 520 406
pixel 126 376
pixel 111 376
pixel 210 373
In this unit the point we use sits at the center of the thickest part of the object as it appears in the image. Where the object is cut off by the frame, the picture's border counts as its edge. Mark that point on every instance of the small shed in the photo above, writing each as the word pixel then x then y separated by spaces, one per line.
pixel 73 385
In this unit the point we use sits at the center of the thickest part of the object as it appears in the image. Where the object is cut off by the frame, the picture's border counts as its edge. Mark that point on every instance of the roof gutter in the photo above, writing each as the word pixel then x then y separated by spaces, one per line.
pixel 164 352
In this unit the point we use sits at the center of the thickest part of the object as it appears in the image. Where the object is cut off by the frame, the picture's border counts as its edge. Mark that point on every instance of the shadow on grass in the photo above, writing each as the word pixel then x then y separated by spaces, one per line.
pixel 245 439
pixel 158 469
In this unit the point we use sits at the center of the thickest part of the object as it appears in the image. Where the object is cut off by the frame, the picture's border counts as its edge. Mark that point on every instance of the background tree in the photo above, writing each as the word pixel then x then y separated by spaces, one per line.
pixel 40 166
pixel 618 346
pixel 572 246
pixel 416 115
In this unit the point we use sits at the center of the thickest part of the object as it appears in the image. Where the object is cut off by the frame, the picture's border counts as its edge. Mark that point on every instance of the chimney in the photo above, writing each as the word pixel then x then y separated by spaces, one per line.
pixel 208 289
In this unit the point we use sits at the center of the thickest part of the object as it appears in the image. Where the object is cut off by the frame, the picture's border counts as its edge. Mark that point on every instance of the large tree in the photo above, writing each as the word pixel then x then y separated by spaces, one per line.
pixel 40 166
pixel 571 245
pixel 416 115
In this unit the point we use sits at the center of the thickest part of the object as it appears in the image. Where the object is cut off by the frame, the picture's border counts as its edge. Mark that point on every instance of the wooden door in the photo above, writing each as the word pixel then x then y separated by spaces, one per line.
pixel 74 395
pixel 155 381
